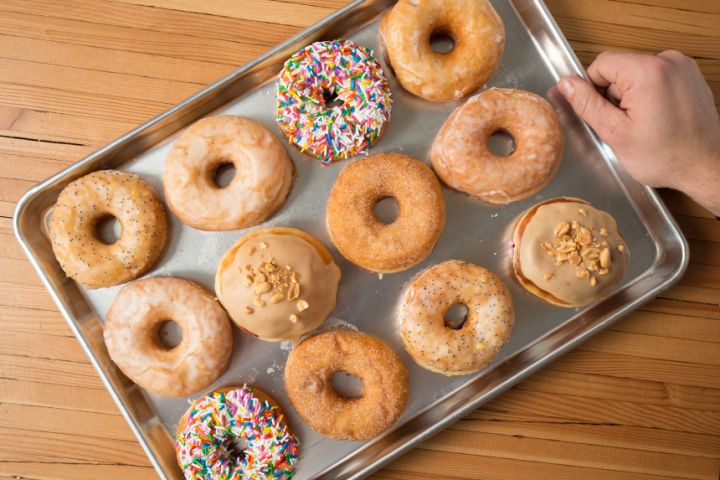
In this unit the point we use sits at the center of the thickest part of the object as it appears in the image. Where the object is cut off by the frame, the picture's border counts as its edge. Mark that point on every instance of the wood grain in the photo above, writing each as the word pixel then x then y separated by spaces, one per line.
pixel 640 401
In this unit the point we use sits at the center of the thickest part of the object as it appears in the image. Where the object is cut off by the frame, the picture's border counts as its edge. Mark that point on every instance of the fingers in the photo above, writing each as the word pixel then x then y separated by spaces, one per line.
pixel 615 68
pixel 606 119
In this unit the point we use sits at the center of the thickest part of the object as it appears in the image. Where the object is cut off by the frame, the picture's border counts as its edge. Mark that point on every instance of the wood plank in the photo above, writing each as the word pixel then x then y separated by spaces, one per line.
pixel 65 397
pixel 29 320
pixel 40 470
pixel 670 325
pixel 50 371
pixel 53 347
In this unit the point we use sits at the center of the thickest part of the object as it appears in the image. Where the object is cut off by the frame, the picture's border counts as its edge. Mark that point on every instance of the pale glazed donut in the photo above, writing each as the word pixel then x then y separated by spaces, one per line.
pixel 131 335
pixel 366 241
pixel 277 283
pixel 247 414
pixel 479 39
pixel 569 253
pixel 88 200
pixel 308 381
pixel 462 159
pixel 489 322
pixel 264 174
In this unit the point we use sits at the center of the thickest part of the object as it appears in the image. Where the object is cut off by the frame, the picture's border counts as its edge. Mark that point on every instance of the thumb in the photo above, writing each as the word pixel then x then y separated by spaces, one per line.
pixel 606 119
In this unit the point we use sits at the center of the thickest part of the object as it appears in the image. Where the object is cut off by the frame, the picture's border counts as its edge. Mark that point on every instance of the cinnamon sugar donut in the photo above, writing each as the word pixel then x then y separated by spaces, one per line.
pixel 308 381
pixel 366 241
pixel 569 253
pixel 264 174
pixel 462 159
pixel 488 324
pixel 87 201
pixel 131 332
pixel 478 35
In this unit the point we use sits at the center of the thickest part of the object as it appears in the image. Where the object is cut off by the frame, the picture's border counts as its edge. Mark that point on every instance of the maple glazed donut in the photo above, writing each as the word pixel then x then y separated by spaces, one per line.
pixel 478 36
pixel 365 240
pixel 487 326
pixel 308 381
pixel 462 159
pixel 568 253
pixel 262 182
pixel 207 430
pixel 132 327
pixel 83 204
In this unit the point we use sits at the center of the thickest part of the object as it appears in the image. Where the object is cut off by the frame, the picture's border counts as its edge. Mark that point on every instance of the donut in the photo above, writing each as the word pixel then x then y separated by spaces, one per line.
pixel 568 253
pixel 207 430
pixel 487 326
pixel 461 157
pixel 87 201
pixel 478 38
pixel 262 182
pixel 320 126
pixel 365 240
pixel 132 327
pixel 277 283
pixel 308 381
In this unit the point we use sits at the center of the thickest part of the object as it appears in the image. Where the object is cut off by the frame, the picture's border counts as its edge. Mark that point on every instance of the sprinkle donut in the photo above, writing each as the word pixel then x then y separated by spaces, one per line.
pixel 311 78
pixel 206 432
pixel 440 348
pixel 87 201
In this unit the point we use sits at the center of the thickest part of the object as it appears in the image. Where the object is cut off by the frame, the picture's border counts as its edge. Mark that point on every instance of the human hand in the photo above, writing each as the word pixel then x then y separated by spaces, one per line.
pixel 659 118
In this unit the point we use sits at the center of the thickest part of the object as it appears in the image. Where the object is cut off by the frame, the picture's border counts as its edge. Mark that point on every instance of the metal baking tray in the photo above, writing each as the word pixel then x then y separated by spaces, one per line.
pixel 536 55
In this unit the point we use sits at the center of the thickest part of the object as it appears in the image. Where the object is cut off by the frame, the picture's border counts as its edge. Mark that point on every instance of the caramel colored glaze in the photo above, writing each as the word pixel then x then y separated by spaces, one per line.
pixel 461 157
pixel 89 199
pixel 561 285
pixel 479 40
pixel 308 381
pixel 366 241
pixel 488 325
pixel 262 182
pixel 266 312
pixel 131 335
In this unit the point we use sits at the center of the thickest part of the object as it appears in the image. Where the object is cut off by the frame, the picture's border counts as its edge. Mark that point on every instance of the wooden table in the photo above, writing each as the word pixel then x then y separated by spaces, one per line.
pixel 640 401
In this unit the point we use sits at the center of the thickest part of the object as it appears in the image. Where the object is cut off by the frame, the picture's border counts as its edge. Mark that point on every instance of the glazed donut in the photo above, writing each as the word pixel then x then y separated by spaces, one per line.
pixel 462 159
pixel 478 35
pixel 277 283
pixel 87 201
pixel 308 381
pixel 310 78
pixel 488 324
pixel 568 253
pixel 366 241
pixel 132 325
pixel 207 430
pixel 264 174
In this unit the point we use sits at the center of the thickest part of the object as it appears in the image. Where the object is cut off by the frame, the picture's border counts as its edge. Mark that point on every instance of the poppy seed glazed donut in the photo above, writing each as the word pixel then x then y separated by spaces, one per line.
pixel 478 35
pixel 462 159
pixel 366 241
pixel 87 201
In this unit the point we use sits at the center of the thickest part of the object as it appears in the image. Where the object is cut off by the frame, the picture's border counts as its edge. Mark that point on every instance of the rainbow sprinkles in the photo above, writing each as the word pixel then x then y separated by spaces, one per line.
pixel 215 420
pixel 349 125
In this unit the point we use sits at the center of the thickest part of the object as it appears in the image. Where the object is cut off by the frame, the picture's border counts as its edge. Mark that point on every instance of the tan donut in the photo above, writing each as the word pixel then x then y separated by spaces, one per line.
pixel 264 174
pixel 308 381
pixel 366 241
pixel 131 335
pixel 479 39
pixel 462 159
pixel 489 322
pixel 92 198
pixel 569 253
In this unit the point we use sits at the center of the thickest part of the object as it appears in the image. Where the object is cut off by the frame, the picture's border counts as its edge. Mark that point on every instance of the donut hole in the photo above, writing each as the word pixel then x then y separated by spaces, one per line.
pixel 108 229
pixel 386 210
pixel 347 385
pixel 169 334
pixel 442 42
pixel 236 448
pixel 331 99
pixel 455 316
pixel 223 174
pixel 501 143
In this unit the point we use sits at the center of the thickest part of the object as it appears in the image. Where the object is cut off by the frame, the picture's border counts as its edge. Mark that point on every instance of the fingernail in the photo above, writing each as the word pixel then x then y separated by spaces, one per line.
pixel 566 88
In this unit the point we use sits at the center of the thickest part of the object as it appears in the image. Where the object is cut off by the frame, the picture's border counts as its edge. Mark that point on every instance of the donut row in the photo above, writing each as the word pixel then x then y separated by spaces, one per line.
pixel 280 283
